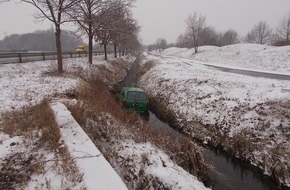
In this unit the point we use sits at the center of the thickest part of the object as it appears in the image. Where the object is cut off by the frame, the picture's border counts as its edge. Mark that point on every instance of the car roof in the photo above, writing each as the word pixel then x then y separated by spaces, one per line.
pixel 134 89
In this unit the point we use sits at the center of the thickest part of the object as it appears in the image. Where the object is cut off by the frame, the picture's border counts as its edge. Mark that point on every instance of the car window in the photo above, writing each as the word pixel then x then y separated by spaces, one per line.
pixel 137 96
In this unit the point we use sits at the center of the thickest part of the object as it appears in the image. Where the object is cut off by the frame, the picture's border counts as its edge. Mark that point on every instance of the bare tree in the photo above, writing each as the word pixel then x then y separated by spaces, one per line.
pixel 88 16
pixel 54 11
pixel 116 26
pixel 83 14
pixel 195 25
pixel 283 31
pixel 180 41
pixel 123 28
pixel 161 43
pixel 128 40
pixel 229 37
pixel 261 34
pixel 198 33
pixel 132 43
pixel 209 36
pixel 184 41
pixel 103 35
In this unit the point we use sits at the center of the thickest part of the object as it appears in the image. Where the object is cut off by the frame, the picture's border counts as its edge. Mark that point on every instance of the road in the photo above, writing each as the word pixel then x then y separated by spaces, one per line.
pixel 252 73
pixel 232 70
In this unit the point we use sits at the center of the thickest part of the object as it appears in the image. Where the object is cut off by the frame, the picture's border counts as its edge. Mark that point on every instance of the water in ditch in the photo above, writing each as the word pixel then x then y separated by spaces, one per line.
pixel 230 173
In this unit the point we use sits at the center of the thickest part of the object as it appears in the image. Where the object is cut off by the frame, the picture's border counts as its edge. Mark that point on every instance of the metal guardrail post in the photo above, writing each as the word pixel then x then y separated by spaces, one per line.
pixel 20 58
pixel 44 55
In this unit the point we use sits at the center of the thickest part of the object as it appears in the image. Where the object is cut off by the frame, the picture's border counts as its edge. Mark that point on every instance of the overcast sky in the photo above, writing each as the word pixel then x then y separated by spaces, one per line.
pixel 165 18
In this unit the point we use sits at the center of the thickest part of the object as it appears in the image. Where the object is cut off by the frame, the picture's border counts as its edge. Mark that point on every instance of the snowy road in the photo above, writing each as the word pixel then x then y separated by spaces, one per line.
pixel 253 73
pixel 236 70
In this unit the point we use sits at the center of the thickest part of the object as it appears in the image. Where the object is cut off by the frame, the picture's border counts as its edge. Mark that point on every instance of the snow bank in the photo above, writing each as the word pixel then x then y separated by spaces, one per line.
pixel 229 103
pixel 159 165
pixel 27 84
pixel 251 56
pixel 98 173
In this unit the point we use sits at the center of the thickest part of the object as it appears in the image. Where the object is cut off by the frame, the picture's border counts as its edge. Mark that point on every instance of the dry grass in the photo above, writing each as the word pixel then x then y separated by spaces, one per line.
pixel 37 121
pixel 17 170
pixel 144 68
pixel 243 143
pixel 263 137
pixel 40 131
pixel 279 155
pixel 108 122
pixel 121 67
pixel 96 96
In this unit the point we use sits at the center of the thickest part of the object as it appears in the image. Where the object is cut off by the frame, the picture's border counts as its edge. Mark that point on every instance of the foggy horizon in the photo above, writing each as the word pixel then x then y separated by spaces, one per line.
pixel 164 18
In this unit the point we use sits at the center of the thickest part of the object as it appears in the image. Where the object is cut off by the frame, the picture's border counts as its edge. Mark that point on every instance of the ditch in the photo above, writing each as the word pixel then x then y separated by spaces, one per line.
pixel 229 172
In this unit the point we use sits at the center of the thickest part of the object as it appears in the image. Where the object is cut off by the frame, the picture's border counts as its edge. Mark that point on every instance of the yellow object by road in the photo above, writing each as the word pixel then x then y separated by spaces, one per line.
pixel 81 49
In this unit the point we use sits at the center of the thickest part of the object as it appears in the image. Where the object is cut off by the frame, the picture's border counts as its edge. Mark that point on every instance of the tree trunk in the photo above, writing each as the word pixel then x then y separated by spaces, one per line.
pixel 195 42
pixel 195 49
pixel 120 49
pixel 58 48
pixel 123 51
pixel 288 32
pixel 105 50
pixel 91 36
pixel 115 50
pixel 288 35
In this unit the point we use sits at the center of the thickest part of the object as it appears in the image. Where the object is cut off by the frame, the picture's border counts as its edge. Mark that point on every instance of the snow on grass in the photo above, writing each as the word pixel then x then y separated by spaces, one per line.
pixel 157 164
pixel 251 56
pixel 27 84
pixel 5 143
pixel 54 176
pixel 236 106
pixel 98 173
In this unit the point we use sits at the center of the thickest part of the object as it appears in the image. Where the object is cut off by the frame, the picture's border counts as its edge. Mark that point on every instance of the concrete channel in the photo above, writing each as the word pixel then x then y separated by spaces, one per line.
pixel 230 173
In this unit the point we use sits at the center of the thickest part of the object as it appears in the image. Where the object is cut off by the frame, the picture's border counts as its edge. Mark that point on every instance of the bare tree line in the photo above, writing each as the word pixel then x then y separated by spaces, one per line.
pixel 103 20
pixel 262 33
pixel 199 33
pixel 40 40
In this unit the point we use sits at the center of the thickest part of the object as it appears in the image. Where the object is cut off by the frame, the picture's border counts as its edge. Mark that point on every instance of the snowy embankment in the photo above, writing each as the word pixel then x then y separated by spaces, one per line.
pixel 245 56
pixel 25 85
pixel 244 114
pixel 98 173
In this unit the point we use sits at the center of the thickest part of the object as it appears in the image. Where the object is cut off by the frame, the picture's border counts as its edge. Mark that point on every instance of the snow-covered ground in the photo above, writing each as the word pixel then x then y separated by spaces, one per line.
pixel 97 172
pixel 27 84
pixel 248 115
pixel 246 56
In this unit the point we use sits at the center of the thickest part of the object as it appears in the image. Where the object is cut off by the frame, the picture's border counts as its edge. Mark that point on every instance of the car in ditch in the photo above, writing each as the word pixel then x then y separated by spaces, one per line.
pixel 136 100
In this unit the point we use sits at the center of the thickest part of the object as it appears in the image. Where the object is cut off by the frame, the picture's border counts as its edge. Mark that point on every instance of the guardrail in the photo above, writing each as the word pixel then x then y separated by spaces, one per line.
pixel 6 58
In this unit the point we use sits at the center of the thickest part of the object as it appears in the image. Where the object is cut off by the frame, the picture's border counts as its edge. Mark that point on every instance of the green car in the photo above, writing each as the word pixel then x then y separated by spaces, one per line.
pixel 134 99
